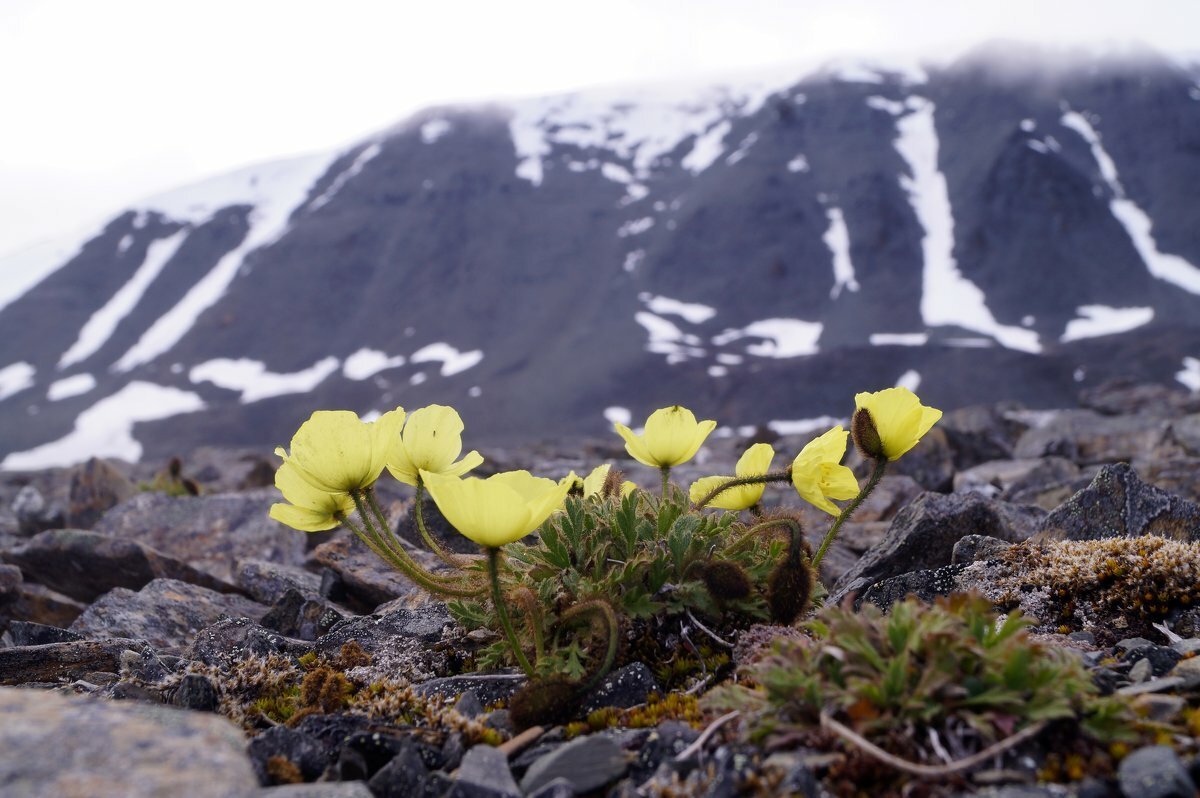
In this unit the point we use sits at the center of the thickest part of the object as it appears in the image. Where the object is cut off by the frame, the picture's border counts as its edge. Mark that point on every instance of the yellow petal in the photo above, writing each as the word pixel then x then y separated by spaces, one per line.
pixel 635 445
pixel 470 461
pixel 672 436
pixel 488 512
pixel 817 475
pixel 670 432
pixel 755 461
pixel 593 483
pixel 433 437
pixel 333 451
pixel 385 432
pixel 838 482
pixel 739 498
pixel 301 518
pixel 628 487
pixel 899 417
pixel 399 466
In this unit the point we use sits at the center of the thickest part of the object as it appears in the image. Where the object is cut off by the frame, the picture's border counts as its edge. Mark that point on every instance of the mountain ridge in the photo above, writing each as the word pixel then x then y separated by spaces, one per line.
pixel 540 262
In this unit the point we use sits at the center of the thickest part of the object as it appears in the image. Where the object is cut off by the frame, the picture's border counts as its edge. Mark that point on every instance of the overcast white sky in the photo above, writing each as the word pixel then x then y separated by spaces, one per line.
pixel 105 101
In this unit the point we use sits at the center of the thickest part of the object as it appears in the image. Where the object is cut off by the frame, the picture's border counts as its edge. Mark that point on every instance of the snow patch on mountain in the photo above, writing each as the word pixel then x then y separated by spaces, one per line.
pixel 692 312
pixel 837 238
pixel 798 164
pixel 639 125
pixel 75 385
pixel 274 189
pixel 452 360
pixel 367 363
pixel 635 227
pixel 803 426
pixel 667 339
pixel 106 428
pixel 15 378
pixel 618 415
pixel 910 379
pixel 26 267
pixel 254 382
pixel 1097 320
pixel 352 171
pixel 899 339
pixel 1136 221
pixel 1189 375
pixel 783 337
pixel 434 129
pixel 947 298
pixel 99 328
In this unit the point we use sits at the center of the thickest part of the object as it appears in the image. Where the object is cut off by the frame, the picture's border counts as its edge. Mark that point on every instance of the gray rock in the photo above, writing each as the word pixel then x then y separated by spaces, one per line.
pixel 1177 475
pixel 211 533
pixel 39 604
pixel 925 585
pixel 486 767
pixel 1141 671
pixel 85 565
pixel 1118 504
pixel 305 751
pixel 625 687
pixel 27 633
pixel 1186 433
pixel 981 433
pixel 400 641
pixel 167 613
pixel 302 617
pixel 233 639
pixel 10 583
pixel 56 744
pixel 559 788
pixel 1087 437
pixel 196 692
pixel 96 487
pixel 1124 396
pixel 53 662
pixel 489 687
pixel 996 476
pixel 266 582
pixel 930 463
pixel 34 513
pixel 976 547
pixel 337 789
pixel 405 776
pixel 1154 772
pixel 924 533
pixel 587 763
pixel 367 579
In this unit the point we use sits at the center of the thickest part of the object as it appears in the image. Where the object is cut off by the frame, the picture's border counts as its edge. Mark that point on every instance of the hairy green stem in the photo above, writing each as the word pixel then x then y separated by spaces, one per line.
pixel 430 541
pixel 393 554
pixel 735 482
pixel 493 564
pixel 533 619
pixel 666 473
pixel 872 482
pixel 605 611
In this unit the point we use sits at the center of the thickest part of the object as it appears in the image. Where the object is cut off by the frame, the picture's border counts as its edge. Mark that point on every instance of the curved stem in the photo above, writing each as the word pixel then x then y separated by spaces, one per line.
pixel 533 619
pixel 493 564
pixel 399 559
pixel 605 611
pixel 734 482
pixel 876 475
pixel 666 473
pixel 430 541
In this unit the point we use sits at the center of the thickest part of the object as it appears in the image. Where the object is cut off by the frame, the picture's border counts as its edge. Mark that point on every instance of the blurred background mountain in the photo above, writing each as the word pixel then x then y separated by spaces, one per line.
pixel 1017 222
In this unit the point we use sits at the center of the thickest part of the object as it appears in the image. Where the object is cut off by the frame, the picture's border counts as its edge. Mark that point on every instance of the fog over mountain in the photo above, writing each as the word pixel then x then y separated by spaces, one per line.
pixel 1014 225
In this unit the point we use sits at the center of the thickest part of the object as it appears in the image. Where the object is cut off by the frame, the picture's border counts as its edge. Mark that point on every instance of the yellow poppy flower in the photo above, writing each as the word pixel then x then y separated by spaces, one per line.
pixel 335 451
pixel 817 475
pixel 501 509
pixel 308 509
pixel 899 419
pixel 593 483
pixel 754 462
pixel 431 440
pixel 628 487
pixel 672 436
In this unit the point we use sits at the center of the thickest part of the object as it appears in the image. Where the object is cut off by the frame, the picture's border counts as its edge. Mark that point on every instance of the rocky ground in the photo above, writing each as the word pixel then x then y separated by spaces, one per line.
pixel 137 617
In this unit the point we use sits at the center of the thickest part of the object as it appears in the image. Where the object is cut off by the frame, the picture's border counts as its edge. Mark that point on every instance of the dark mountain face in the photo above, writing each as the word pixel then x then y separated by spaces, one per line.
pixel 757 251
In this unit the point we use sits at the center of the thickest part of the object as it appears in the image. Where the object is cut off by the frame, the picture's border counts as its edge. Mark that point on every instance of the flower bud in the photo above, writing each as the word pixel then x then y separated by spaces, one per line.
pixel 789 590
pixel 866 435
pixel 726 580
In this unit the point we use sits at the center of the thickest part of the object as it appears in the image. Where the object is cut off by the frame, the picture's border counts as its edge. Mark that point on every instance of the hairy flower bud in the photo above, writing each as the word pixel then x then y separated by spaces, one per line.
pixel 726 580
pixel 866 435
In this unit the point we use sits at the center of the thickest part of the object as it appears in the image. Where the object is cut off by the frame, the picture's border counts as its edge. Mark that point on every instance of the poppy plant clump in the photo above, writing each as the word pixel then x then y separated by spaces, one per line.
pixel 614 572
